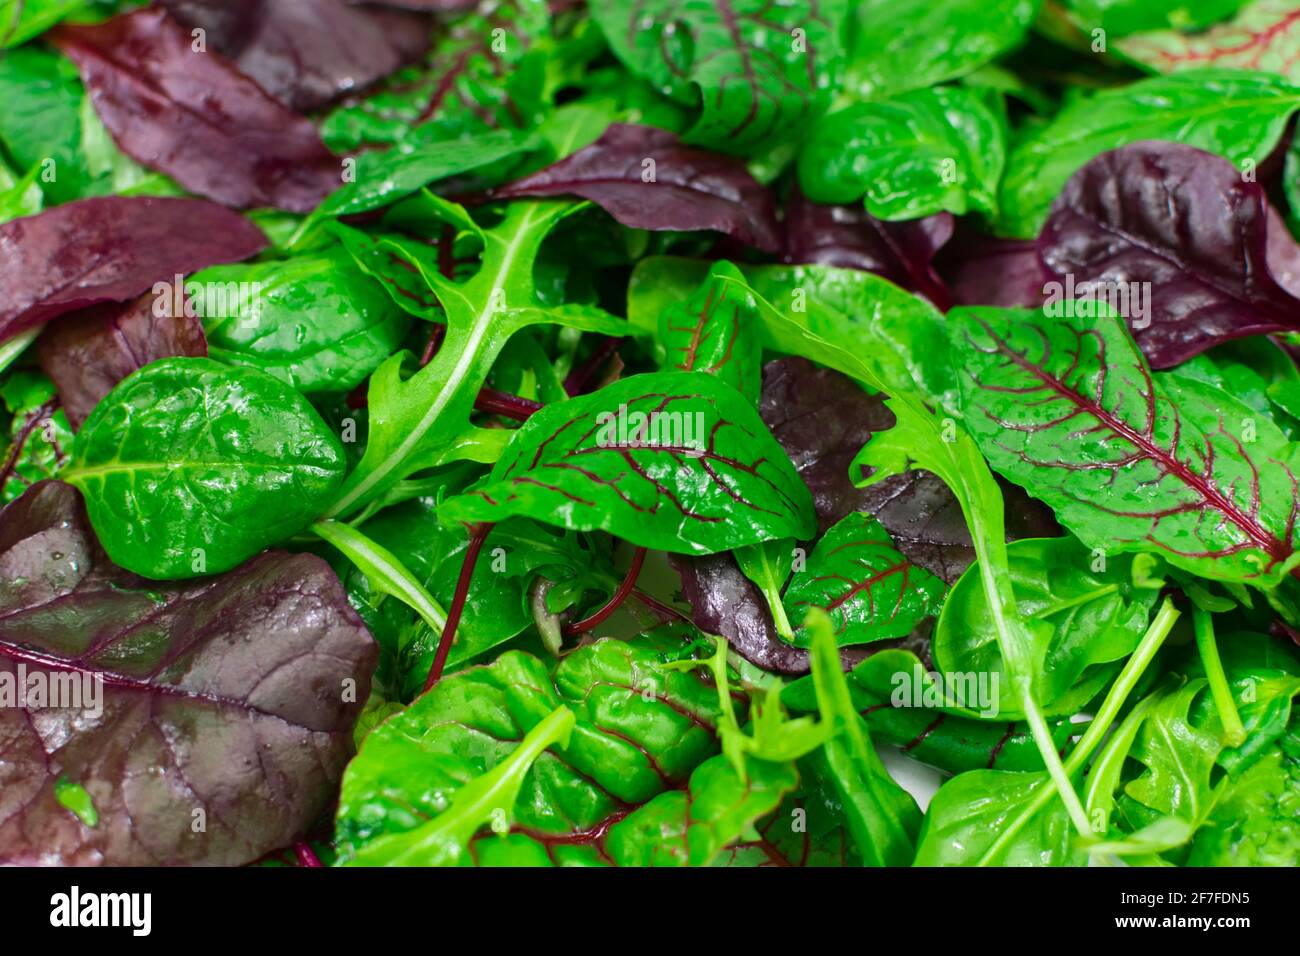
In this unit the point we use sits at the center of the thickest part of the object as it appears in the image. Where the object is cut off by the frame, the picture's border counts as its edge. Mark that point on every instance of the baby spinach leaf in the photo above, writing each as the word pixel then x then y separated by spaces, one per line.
pixel 914 155
pixel 1067 408
pixel 1084 613
pixel 109 250
pixel 190 466
pixel 1238 115
pixel 238 147
pixel 757 72
pixel 858 578
pixel 1177 240
pixel 900 45
pixel 262 671
pixel 420 422
pixel 90 351
pixel 40 439
pixel 307 54
pixel 641 729
pixel 645 178
pixel 713 331
pixel 670 460
pixel 315 322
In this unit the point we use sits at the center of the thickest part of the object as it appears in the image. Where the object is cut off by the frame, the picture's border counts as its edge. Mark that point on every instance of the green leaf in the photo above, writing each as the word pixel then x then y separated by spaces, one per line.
pixel 758 72
pixel 19 197
pixel 676 461
pixel 1178 758
pixel 1123 17
pixel 314 322
pixel 40 438
pixel 768 565
pixel 1067 408
pixel 713 331
pixel 41 124
pixel 900 45
pixel 189 466
pixel 641 729
pixel 1239 115
pixel 881 815
pixel 1263 35
pixel 423 421
pixel 1084 615
pixel 910 156
pixel 1256 822
pixel 870 591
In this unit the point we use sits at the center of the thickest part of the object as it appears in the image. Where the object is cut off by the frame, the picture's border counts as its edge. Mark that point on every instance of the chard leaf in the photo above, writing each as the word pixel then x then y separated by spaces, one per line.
pixel 1182 236
pixel 189 467
pixel 1263 35
pixel 316 322
pixel 645 178
pixel 713 331
pixel 868 589
pixel 641 729
pixel 88 353
pixel 1238 115
pixel 307 54
pixel 914 155
pixel 900 45
pixel 735 60
pixel 670 460
pixel 242 150
pixel 1067 408
pixel 109 250
pixel 1085 616
pixel 227 702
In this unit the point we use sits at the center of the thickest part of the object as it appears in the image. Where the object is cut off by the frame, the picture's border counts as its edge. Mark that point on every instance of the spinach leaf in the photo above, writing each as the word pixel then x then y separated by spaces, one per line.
pixel 758 73
pixel 867 588
pixel 190 466
pixel 1129 461
pixel 669 460
pixel 1084 612
pixel 900 45
pixel 1236 114
pixel 910 156
pixel 315 322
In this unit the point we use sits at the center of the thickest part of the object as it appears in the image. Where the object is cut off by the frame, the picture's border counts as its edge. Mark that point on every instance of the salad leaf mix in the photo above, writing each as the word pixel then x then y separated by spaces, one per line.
pixel 671 433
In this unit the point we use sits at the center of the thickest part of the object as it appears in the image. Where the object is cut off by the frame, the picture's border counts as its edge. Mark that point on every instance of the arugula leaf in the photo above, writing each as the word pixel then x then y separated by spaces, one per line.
pixel 412 422
pixel 914 155
pixel 1254 822
pixel 40 438
pixel 190 466
pixel 1129 461
pixel 666 460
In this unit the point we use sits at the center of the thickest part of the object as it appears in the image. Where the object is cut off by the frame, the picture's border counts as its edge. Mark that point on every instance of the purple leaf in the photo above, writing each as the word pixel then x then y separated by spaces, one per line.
pixel 195 117
pixel 689 189
pixel 86 354
pixel 110 249
pixel 849 237
pixel 822 419
pixel 984 270
pixel 1179 227
pixel 308 53
pixel 224 701
pixel 436 5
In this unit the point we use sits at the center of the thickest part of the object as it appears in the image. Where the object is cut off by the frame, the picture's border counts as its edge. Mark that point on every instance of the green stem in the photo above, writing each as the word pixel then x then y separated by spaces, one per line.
pixel 384 570
pixel 1203 626
pixel 14 347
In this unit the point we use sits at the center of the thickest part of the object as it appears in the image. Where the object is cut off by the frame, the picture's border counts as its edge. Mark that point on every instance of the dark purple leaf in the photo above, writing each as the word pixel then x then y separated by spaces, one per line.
pixel 225 701
pixel 110 249
pixel 822 419
pixel 195 117
pixel 849 237
pixel 690 189
pixel 86 354
pixel 984 270
pixel 308 53
pixel 435 5
pixel 1181 223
